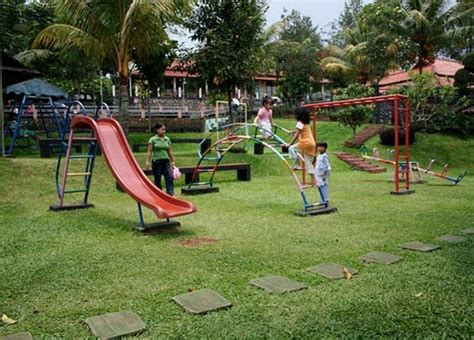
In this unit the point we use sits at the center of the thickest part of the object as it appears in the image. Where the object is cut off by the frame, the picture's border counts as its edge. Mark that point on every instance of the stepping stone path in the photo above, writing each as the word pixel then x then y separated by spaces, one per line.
pixel 18 336
pixel 276 284
pixel 468 231
pixel 331 270
pixel 380 257
pixel 114 325
pixel 201 301
pixel 452 238
pixel 361 137
pixel 359 163
pixel 419 246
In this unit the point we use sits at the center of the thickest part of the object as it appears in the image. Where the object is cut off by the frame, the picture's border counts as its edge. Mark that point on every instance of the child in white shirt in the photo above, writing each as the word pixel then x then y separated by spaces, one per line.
pixel 322 171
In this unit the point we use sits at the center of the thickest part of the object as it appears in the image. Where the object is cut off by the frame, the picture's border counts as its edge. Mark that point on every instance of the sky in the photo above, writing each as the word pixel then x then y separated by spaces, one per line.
pixel 321 12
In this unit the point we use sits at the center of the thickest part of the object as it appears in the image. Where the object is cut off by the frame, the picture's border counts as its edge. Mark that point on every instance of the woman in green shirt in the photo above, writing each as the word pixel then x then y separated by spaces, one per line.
pixel 159 151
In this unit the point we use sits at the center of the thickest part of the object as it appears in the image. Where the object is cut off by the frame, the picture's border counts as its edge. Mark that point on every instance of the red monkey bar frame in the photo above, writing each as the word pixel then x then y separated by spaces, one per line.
pixel 400 103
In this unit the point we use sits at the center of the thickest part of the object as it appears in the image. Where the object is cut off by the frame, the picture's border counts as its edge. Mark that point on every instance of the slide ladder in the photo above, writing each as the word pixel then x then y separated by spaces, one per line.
pixel 64 174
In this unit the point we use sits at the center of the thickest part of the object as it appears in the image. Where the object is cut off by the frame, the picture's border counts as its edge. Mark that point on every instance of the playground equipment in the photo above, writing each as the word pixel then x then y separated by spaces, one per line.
pixel 36 111
pixel 108 134
pixel 400 104
pixel 43 117
pixel 221 120
pixel 415 167
pixel 240 133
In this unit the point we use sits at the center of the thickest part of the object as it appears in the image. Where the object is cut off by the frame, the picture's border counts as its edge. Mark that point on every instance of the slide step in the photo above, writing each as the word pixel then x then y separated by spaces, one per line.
pixel 81 156
pixel 86 139
pixel 72 191
pixel 205 170
pixel 78 174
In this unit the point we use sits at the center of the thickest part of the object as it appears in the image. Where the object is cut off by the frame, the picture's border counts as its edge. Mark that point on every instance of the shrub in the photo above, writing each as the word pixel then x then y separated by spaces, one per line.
pixel 387 136
pixel 283 110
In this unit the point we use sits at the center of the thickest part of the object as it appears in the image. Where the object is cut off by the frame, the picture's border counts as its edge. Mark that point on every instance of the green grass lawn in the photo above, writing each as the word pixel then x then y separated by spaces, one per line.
pixel 57 269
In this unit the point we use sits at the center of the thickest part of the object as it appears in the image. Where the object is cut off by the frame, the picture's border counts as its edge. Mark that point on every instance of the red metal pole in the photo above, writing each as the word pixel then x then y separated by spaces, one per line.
pixel 315 131
pixel 407 142
pixel 396 128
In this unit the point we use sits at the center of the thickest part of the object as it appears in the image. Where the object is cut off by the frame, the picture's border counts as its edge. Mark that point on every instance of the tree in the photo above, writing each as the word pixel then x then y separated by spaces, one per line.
pixel 374 46
pixel 299 28
pixel 354 116
pixel 431 25
pixel 294 55
pixel 297 66
pixel 228 36
pixel 346 20
pixel 21 21
pixel 112 32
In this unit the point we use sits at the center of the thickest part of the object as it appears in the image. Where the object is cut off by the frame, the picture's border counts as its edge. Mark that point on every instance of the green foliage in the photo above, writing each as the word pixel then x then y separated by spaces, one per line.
pixel 433 26
pixel 299 28
pixel 354 116
pixel 462 79
pixel 215 95
pixel 296 66
pixel 227 33
pixel 112 33
pixel 21 21
pixel 283 110
pixel 435 108
pixel 60 268
pixel 294 56
pixel 345 21
pixel 468 62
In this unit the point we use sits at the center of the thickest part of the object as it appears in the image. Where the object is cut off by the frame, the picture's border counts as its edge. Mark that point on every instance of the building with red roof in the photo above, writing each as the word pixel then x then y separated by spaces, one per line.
pixel 443 70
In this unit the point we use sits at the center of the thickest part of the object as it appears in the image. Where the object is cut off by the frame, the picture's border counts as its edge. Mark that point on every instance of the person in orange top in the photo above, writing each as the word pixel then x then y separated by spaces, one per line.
pixel 306 144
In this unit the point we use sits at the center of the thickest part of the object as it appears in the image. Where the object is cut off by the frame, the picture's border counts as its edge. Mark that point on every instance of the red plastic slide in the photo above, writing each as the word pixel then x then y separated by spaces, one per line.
pixel 127 172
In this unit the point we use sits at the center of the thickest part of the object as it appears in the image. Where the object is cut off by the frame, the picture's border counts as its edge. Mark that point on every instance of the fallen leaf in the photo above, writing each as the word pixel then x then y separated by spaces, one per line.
pixel 418 294
pixel 7 320
pixel 347 273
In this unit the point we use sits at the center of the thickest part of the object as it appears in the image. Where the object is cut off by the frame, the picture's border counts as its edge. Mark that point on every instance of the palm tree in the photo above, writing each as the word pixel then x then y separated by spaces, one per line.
pixel 112 32
pixel 434 24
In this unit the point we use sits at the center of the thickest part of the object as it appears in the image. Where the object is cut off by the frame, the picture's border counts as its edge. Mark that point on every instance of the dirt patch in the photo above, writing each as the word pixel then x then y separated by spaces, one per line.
pixel 198 241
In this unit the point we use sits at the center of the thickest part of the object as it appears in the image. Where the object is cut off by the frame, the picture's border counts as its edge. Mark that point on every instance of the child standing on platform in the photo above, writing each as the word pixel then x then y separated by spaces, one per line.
pixel 322 172
pixel 264 117
pixel 306 143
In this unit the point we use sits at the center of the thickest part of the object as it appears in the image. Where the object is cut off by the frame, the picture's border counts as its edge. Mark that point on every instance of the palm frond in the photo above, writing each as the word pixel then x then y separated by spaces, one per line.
pixel 61 35
pixel 29 56
pixel 332 65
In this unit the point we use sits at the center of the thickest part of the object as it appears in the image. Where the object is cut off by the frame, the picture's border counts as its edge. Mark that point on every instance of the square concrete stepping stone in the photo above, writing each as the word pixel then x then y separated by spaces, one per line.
pixel 468 231
pixel 18 336
pixel 419 246
pixel 452 238
pixel 114 325
pixel 331 270
pixel 380 257
pixel 277 284
pixel 201 301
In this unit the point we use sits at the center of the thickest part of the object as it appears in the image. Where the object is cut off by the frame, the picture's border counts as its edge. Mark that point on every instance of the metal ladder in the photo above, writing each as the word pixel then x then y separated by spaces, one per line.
pixel 89 157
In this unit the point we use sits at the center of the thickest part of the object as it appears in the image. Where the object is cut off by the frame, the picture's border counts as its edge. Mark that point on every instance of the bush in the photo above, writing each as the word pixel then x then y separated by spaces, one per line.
pixel 462 79
pixel 387 136
pixel 283 110
pixel 468 62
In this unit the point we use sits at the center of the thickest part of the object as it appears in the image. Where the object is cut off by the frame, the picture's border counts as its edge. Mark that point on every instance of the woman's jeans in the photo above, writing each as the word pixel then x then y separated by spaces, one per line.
pixel 163 167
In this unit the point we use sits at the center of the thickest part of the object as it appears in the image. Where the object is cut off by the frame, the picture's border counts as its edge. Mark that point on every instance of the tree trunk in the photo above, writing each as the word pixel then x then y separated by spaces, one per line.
pixel 123 104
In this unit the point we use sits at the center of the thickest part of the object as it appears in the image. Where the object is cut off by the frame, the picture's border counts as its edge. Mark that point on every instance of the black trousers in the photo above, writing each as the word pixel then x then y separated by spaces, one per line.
pixel 163 167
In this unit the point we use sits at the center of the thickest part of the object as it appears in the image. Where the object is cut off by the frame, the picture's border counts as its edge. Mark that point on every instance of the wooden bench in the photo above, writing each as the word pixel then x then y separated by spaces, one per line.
pixel 46 146
pixel 243 171
pixel 204 146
